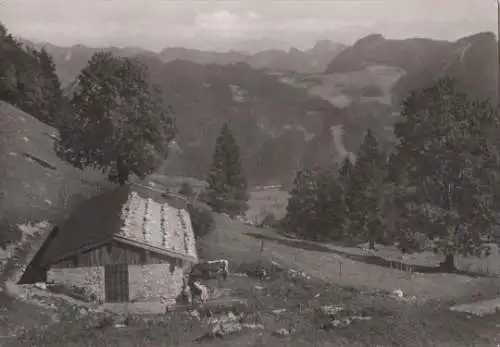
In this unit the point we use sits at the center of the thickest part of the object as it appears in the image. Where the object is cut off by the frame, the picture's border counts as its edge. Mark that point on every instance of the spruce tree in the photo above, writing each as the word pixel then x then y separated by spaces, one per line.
pixel 52 94
pixel 343 177
pixel 300 215
pixel 345 170
pixel 329 208
pixel 364 195
pixel 28 79
pixel 227 184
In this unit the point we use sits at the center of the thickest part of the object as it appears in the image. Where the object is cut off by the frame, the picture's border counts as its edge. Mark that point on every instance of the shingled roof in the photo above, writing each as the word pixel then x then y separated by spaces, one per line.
pixel 131 214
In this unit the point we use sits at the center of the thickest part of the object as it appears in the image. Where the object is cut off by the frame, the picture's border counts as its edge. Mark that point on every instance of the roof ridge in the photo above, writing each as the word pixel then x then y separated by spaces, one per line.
pixel 170 194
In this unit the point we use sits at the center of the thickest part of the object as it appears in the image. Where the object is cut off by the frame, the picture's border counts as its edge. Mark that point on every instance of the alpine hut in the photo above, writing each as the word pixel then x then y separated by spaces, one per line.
pixel 132 244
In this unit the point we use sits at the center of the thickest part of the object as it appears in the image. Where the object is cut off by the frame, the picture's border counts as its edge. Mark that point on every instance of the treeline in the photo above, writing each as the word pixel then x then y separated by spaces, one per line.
pixel 441 181
pixel 28 80
pixel 340 204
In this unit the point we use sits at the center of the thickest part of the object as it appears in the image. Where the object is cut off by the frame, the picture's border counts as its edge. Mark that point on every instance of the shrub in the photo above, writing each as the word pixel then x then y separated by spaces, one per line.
pixel 186 189
pixel 269 221
pixel 201 218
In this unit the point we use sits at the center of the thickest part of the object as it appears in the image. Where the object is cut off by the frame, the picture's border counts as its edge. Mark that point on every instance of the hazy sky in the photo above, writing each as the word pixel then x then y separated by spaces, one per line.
pixel 252 24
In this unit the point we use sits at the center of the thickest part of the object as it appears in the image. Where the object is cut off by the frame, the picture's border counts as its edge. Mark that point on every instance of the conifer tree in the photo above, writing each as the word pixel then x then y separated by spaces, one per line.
pixel 227 184
pixel 329 209
pixel 301 208
pixel 28 79
pixel 364 195
pixel 315 207
pixel 343 178
pixel 52 94
pixel 345 170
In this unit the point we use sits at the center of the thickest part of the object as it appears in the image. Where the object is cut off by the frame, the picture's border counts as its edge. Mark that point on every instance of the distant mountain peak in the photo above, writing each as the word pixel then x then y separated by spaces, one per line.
pixel 485 37
pixel 472 60
pixel 323 43
pixel 370 39
pixel 294 50
pixel 324 47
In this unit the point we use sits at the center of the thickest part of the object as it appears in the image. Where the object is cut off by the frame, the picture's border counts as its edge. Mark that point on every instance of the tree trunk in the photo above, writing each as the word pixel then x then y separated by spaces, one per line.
pixel 369 230
pixel 372 243
pixel 123 177
pixel 448 265
pixel 122 172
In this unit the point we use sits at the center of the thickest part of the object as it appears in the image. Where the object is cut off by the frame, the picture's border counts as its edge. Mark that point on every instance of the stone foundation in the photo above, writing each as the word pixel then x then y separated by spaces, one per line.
pixel 155 282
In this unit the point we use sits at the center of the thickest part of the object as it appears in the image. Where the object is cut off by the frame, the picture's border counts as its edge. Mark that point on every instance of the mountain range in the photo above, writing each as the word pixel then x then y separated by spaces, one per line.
pixel 471 60
pixel 279 125
pixel 71 60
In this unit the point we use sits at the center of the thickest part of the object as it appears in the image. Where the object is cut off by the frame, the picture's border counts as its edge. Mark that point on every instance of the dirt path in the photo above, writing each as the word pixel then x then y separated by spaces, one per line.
pixel 480 308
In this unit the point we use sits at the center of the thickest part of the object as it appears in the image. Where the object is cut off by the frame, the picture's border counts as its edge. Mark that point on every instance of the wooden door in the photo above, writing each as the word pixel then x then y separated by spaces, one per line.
pixel 116 283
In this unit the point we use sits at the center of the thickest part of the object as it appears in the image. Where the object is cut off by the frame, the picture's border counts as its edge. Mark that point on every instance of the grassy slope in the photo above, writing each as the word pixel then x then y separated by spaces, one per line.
pixel 275 201
pixel 396 324
pixel 36 185
pixel 339 88
pixel 232 240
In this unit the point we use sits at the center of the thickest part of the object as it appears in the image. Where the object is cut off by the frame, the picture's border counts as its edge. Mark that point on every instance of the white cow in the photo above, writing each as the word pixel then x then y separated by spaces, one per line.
pixel 200 291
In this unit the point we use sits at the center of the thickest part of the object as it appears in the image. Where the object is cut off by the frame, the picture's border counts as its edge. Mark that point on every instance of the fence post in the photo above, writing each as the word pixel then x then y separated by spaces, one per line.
pixel 340 269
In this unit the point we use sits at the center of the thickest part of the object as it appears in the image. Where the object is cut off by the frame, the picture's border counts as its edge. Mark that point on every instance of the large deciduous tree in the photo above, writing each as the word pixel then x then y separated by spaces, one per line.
pixel 117 123
pixel 446 171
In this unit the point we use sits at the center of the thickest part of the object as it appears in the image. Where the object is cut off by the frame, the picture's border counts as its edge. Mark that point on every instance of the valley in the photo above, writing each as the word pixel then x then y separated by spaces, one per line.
pixel 275 103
